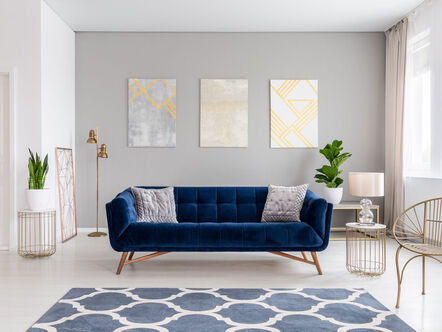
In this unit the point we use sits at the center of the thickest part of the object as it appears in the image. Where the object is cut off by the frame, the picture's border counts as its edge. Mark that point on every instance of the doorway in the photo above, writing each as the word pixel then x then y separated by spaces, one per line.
pixel 7 229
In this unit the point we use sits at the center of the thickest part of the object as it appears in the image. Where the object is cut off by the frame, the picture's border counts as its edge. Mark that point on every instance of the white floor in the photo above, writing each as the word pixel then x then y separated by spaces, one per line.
pixel 29 287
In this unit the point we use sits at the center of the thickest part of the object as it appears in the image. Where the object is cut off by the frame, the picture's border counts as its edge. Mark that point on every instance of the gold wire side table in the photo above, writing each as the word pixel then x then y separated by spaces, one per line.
pixel 36 233
pixel 365 248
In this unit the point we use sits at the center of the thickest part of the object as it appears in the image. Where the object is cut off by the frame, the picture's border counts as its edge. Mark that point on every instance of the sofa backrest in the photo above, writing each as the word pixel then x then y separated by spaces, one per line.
pixel 218 204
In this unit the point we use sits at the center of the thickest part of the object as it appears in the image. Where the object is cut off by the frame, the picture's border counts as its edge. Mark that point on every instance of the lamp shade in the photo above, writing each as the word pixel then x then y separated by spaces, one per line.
pixel 366 184
pixel 92 138
pixel 103 151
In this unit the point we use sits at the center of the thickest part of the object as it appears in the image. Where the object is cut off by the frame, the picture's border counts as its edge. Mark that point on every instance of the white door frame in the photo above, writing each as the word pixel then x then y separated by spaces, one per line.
pixel 10 73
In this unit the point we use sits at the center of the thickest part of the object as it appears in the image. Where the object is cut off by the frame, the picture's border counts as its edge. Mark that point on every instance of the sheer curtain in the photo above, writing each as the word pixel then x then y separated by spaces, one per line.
pixel 396 41
pixel 423 92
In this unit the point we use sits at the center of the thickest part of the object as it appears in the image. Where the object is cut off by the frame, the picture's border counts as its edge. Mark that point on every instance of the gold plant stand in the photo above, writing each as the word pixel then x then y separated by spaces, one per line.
pixel 36 233
pixel 366 248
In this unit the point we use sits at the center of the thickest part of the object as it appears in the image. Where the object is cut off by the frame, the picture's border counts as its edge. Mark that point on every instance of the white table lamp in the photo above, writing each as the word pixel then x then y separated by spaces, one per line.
pixel 366 184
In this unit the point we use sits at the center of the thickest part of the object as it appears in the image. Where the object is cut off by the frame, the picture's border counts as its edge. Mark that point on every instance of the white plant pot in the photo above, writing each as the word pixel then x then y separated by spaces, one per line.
pixel 333 195
pixel 38 199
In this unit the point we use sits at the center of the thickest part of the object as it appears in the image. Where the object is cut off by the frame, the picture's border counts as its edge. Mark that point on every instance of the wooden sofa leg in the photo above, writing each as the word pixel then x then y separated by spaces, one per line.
pixel 304 259
pixel 131 255
pixel 315 259
pixel 122 260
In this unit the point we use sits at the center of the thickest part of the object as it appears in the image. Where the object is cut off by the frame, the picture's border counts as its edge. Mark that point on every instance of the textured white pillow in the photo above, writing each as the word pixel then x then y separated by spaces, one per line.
pixel 155 205
pixel 284 203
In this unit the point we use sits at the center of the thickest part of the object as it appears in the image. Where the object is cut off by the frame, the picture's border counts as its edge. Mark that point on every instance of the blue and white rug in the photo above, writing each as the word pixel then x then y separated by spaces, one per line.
pixel 218 310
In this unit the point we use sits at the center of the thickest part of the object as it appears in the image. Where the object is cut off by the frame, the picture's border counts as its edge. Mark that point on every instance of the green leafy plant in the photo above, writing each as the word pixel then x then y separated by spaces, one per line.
pixel 37 171
pixel 329 174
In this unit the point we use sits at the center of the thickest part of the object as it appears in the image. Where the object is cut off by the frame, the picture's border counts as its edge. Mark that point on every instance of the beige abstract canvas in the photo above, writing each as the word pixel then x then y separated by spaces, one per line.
pixel 224 113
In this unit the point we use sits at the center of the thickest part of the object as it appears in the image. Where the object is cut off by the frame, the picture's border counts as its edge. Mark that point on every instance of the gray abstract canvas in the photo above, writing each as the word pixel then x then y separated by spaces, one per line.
pixel 152 112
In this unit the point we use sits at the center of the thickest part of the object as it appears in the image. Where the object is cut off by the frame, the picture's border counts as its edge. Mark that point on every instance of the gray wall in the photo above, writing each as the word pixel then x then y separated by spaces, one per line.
pixel 349 67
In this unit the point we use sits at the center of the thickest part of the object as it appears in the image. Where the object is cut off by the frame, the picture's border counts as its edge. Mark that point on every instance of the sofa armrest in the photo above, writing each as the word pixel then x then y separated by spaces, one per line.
pixel 120 214
pixel 315 212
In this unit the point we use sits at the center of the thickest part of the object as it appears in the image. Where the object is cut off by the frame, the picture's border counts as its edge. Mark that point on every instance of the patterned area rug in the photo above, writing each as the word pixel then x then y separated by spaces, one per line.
pixel 218 310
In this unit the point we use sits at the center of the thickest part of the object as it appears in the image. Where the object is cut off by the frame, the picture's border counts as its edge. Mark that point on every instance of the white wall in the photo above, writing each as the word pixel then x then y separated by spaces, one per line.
pixel 5 181
pixel 20 48
pixel 57 92
pixel 41 48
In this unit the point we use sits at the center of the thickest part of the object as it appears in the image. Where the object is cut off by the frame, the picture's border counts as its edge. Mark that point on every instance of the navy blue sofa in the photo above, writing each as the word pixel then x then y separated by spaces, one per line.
pixel 218 219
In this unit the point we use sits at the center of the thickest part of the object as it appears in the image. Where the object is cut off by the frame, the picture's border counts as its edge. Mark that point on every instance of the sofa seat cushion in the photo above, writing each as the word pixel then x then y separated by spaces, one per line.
pixel 210 236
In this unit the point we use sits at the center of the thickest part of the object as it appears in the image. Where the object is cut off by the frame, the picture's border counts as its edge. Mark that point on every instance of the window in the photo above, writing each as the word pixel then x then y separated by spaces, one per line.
pixel 422 133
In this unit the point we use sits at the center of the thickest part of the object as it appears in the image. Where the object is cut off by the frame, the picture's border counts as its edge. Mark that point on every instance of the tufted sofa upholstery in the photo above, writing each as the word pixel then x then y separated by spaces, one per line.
pixel 218 219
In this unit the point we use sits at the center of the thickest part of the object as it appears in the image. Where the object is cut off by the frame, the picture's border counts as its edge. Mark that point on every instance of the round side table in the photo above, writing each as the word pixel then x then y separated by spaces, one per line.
pixel 36 233
pixel 365 248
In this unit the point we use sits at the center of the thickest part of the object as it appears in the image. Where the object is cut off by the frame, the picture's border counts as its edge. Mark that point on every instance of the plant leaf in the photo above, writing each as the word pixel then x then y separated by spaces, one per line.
pixel 338 182
pixel 339 160
pixel 32 156
pixel 45 170
pixel 31 182
pixel 321 177
pixel 329 171
pixel 37 160
pixel 327 153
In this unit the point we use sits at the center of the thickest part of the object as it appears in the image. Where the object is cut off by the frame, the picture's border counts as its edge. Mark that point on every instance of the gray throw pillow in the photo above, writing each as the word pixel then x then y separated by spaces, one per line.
pixel 284 203
pixel 155 205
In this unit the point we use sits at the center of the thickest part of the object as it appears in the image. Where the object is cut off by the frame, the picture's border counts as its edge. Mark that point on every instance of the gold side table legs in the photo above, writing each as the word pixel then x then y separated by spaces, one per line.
pixel 36 233
pixel 365 248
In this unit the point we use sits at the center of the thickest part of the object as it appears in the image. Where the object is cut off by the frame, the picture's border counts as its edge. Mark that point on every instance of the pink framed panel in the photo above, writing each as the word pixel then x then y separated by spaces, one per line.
pixel 66 193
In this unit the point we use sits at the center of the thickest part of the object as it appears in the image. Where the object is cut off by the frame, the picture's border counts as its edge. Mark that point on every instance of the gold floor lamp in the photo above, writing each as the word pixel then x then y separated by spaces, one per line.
pixel 101 153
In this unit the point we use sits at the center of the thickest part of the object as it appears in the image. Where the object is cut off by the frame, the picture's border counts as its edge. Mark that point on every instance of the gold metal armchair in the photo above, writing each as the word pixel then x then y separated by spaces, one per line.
pixel 419 230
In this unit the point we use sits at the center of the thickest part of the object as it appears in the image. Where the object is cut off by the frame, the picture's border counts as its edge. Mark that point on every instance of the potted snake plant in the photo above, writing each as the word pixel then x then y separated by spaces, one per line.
pixel 329 174
pixel 37 195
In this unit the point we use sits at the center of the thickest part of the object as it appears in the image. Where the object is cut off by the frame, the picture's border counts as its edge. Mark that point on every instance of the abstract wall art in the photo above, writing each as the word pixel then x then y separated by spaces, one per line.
pixel 294 113
pixel 224 113
pixel 152 112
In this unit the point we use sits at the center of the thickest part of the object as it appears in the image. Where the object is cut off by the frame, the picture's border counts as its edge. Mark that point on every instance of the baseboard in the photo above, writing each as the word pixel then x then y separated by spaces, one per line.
pixel 91 229
pixel 337 229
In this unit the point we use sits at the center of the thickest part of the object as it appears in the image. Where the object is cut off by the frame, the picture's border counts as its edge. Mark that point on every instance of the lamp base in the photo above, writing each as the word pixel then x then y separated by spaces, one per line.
pixel 97 234
pixel 365 215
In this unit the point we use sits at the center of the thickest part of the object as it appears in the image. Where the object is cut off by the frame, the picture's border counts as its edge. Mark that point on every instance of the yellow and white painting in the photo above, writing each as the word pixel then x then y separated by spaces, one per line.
pixel 224 113
pixel 294 113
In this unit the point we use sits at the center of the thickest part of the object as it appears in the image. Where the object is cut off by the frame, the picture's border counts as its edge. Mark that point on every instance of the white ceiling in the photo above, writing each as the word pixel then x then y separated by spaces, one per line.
pixel 231 15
